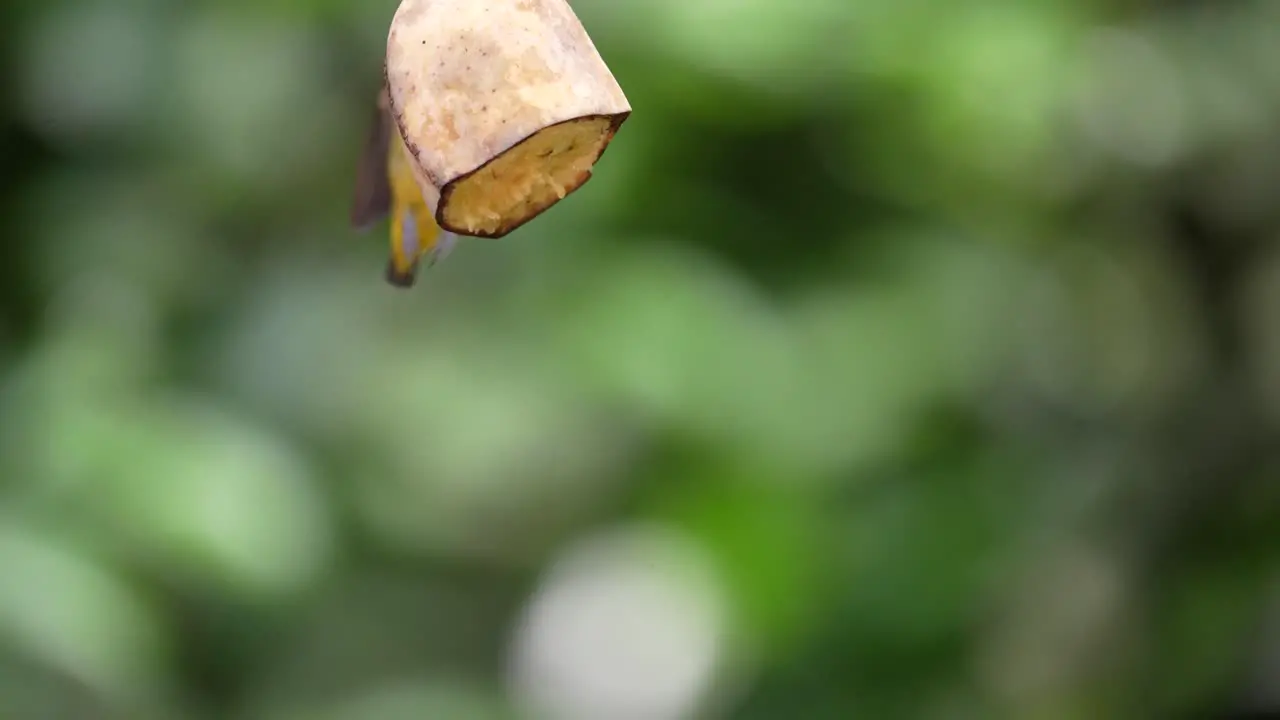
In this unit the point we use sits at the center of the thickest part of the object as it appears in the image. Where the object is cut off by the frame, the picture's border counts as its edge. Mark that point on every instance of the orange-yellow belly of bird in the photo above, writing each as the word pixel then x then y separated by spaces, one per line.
pixel 414 232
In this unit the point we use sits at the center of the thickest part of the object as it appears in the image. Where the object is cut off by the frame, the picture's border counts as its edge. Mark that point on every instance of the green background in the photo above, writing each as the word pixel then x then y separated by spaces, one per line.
pixel 936 341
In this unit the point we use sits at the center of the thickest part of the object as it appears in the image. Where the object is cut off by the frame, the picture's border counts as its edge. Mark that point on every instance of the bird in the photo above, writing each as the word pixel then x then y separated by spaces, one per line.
pixel 386 185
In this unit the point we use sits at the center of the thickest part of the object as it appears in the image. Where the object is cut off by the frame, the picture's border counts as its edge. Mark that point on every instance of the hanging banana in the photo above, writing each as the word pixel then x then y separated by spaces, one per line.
pixel 492 112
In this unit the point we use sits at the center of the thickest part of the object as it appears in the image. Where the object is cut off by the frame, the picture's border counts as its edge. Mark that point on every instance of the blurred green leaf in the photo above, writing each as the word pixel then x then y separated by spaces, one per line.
pixel 77 616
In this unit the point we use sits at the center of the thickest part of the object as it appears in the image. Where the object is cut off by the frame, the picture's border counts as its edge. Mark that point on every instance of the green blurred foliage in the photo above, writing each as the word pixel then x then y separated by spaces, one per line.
pixel 945 331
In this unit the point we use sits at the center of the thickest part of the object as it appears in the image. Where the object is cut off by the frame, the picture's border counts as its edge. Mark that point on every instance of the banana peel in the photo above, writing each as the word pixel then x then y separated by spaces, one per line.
pixel 496 110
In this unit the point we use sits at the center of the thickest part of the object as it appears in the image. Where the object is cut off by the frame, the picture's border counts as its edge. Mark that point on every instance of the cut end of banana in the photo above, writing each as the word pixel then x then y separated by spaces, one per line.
pixel 504 106
pixel 523 182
